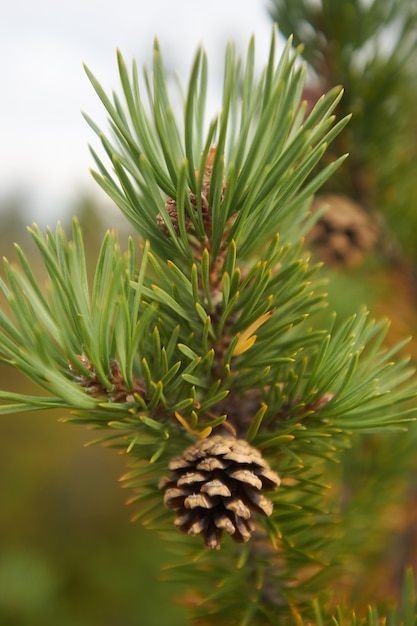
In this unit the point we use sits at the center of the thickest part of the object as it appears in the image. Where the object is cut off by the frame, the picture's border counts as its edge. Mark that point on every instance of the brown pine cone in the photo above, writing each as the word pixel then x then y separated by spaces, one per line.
pixel 345 233
pixel 215 485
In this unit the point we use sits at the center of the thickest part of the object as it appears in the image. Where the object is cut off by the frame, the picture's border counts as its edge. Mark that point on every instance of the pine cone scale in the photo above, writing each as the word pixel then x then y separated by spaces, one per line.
pixel 268 478
pixel 216 488
pixel 199 526
pixel 243 531
pixel 199 500
pixel 173 497
pixel 246 476
pixel 212 537
pixel 191 477
pixel 222 521
pixel 260 503
pixel 238 508
pixel 212 463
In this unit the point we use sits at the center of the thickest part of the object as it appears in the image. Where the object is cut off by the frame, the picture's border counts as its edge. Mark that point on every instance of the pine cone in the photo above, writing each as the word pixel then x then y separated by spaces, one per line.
pixel 215 485
pixel 345 233
pixel 119 392
pixel 171 205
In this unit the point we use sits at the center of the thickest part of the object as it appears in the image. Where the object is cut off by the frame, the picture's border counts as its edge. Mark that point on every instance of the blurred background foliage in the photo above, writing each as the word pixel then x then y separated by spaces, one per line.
pixel 368 235
pixel 367 240
pixel 68 552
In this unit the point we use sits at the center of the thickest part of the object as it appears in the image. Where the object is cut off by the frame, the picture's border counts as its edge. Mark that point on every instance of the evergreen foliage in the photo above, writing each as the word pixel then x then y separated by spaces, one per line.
pixel 370 49
pixel 212 327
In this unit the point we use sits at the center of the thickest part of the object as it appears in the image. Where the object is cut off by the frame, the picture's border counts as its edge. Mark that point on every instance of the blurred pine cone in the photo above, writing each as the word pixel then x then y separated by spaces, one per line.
pixel 345 233
pixel 215 486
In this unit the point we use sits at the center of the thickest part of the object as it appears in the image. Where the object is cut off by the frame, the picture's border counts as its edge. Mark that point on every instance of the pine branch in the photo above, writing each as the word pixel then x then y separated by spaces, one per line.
pixel 201 357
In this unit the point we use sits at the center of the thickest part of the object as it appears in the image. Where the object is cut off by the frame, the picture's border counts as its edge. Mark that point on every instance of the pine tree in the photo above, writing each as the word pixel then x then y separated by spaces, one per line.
pixel 206 354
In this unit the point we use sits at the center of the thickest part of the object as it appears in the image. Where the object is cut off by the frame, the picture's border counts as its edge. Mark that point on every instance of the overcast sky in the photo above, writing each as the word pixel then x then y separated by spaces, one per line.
pixel 43 137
